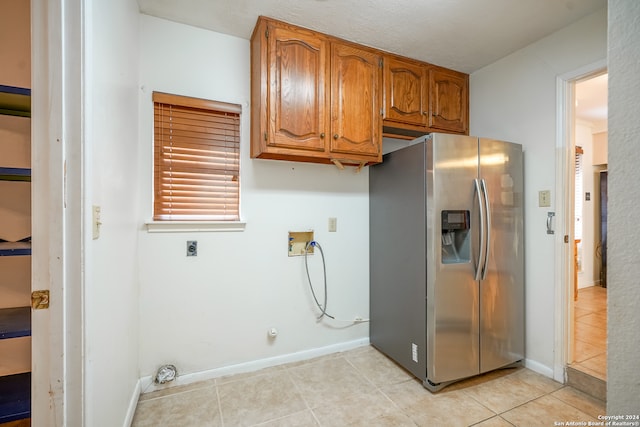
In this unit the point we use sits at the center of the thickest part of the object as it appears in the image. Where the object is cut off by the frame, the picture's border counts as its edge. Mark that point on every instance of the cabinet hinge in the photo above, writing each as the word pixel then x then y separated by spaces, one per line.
pixel 40 299
pixel 265 136
pixel 381 62
pixel 266 33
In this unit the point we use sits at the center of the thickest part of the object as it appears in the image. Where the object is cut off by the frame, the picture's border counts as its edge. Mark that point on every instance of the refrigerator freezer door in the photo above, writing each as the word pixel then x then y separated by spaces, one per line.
pixel 502 290
pixel 452 291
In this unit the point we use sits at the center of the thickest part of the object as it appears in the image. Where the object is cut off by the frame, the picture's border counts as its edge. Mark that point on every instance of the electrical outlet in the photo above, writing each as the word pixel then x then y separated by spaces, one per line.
pixel 192 248
pixel 333 224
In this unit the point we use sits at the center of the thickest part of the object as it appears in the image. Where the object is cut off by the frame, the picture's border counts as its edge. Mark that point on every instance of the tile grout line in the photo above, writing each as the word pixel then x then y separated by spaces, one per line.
pixel 544 393
pixel 173 393
pixel 370 386
pixel 573 406
pixel 262 423
pixel 495 416
pixel 295 385
pixel 379 390
pixel 219 405
pixel 539 397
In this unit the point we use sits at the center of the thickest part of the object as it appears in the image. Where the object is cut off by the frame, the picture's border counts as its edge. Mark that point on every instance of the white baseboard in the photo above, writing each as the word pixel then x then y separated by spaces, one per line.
pixel 539 368
pixel 146 384
pixel 133 403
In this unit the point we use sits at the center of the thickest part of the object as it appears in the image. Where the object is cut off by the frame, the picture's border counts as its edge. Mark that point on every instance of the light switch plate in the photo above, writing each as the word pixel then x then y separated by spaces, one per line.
pixel 544 198
pixel 96 221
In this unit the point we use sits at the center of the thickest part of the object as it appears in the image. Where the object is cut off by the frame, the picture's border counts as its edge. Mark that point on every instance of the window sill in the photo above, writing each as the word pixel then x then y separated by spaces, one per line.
pixel 193 226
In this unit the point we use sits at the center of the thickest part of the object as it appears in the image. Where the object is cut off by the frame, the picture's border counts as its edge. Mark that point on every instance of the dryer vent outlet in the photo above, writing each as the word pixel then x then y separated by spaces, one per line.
pixel 165 374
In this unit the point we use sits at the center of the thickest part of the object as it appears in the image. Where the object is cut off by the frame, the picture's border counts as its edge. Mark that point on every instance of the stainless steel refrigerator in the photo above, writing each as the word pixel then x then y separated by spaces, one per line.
pixel 446 257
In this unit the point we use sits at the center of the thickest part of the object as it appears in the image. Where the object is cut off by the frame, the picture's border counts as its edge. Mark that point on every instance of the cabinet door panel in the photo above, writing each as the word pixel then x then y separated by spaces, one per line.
pixel 449 100
pixel 298 105
pixel 405 92
pixel 356 124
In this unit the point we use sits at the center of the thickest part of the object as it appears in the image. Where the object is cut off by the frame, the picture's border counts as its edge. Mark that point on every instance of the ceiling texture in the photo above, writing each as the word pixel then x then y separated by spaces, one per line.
pixel 464 35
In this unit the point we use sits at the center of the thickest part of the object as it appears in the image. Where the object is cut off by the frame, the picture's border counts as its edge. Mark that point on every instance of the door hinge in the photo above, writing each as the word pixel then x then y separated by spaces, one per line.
pixel 566 238
pixel 40 299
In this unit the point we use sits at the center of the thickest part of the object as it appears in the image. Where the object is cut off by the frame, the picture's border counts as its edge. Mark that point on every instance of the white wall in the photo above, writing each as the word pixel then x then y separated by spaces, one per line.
pixel 515 99
pixel 111 286
pixel 210 312
pixel 623 375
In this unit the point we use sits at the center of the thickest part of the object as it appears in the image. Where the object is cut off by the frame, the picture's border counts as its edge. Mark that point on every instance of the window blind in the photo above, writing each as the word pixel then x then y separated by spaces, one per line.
pixel 196 159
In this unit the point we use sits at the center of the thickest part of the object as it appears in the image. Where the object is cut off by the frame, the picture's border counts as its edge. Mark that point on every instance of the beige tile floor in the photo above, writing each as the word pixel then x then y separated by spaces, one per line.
pixel 362 387
pixel 590 339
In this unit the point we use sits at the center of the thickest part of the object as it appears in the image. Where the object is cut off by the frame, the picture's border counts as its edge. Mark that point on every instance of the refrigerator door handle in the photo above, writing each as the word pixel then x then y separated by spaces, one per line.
pixel 485 266
pixel 481 254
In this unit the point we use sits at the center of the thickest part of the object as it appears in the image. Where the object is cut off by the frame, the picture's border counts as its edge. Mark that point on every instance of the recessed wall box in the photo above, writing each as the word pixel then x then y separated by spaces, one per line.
pixel 298 241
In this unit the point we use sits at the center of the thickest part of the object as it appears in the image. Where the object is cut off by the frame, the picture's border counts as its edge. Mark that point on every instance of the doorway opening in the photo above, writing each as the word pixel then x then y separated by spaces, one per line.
pixel 586 362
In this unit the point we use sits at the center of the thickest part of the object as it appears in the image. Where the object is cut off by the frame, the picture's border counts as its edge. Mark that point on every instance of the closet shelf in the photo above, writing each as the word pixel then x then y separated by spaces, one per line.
pixel 15 397
pixel 15 101
pixel 15 390
pixel 15 174
pixel 15 322
pixel 15 248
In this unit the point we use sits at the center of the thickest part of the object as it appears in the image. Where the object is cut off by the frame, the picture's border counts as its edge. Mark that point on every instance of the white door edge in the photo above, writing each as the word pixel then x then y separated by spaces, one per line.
pixel 57 60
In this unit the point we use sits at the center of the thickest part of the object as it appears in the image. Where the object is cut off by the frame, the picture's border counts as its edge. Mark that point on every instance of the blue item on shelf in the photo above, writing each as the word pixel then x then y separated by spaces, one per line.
pixel 15 397
pixel 15 322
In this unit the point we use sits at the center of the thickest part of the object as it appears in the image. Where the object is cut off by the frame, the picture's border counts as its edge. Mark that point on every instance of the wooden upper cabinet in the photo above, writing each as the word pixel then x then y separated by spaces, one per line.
pixel 314 98
pixel 420 97
pixel 406 92
pixel 356 99
pixel 317 98
pixel 449 100
pixel 297 70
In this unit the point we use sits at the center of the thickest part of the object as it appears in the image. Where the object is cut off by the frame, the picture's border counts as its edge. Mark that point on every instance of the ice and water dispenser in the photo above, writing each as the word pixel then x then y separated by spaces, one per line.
pixel 456 237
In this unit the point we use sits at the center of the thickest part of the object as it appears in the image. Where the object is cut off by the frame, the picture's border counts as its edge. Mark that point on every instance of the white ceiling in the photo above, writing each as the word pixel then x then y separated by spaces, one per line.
pixel 463 35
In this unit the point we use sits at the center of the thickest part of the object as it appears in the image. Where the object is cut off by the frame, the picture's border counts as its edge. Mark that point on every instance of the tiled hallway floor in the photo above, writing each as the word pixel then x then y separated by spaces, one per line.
pixel 590 338
pixel 362 387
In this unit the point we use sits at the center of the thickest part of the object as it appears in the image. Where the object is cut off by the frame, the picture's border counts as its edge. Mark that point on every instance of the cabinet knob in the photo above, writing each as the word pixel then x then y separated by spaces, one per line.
pixel 322 135
pixel 335 136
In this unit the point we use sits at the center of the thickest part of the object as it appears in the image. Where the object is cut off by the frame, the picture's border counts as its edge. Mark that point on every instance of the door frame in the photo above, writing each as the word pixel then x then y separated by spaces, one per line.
pixel 58 159
pixel 564 202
